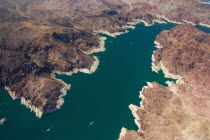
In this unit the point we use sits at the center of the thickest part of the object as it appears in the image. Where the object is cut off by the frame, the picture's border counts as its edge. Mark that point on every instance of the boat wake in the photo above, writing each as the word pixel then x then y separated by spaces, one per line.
pixel 50 127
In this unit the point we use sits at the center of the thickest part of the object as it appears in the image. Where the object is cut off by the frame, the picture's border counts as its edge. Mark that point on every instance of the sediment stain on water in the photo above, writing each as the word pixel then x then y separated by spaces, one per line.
pixel 102 97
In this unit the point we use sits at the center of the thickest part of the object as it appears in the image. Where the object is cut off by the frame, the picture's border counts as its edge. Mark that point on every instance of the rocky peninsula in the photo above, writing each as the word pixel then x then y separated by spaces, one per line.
pixel 41 37
pixel 181 110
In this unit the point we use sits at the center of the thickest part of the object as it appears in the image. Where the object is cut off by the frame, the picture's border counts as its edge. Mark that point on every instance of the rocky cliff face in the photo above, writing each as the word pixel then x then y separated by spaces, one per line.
pixel 30 52
pixel 107 15
pixel 41 37
pixel 181 110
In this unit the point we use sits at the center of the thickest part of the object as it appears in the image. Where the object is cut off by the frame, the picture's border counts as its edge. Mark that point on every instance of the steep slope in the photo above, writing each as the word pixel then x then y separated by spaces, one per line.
pixel 181 110
pixel 30 52
pixel 41 37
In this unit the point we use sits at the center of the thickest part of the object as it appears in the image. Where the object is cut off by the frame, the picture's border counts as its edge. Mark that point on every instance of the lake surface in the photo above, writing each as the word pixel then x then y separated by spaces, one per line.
pixel 102 97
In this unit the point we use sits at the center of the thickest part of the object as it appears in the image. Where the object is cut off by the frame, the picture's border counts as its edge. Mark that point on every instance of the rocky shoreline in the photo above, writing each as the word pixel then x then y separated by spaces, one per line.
pixel 36 42
pixel 172 112
pixel 36 91
pixel 101 48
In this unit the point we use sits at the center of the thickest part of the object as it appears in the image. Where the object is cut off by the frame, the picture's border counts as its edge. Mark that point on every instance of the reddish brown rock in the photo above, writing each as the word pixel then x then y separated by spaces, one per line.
pixel 181 110
pixel 40 37
pixel 30 52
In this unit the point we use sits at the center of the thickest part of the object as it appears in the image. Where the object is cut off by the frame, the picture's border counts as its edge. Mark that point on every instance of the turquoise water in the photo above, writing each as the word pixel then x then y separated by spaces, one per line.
pixel 102 97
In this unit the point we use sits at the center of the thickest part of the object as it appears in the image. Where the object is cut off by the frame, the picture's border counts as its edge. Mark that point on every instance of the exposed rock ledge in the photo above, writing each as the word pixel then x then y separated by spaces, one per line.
pixel 181 110
pixel 28 66
pixel 39 38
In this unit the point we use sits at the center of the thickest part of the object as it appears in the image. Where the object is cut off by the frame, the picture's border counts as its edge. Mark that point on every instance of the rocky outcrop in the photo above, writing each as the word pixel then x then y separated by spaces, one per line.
pixel 2 121
pixel 41 37
pixel 106 15
pixel 181 110
pixel 30 52
pixel 174 11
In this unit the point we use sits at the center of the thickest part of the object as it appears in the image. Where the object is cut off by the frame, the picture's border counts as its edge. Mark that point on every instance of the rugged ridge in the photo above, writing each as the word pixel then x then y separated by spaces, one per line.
pixel 27 61
pixel 41 37
pixel 181 110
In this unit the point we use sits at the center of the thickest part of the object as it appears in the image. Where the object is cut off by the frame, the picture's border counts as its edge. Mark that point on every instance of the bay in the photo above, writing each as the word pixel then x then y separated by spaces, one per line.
pixel 96 107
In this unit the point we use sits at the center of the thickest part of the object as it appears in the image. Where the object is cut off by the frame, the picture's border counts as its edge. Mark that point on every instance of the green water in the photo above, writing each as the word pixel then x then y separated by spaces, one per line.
pixel 102 97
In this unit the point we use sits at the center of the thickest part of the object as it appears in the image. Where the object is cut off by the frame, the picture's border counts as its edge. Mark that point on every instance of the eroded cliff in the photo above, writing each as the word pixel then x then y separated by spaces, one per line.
pixel 31 52
pixel 41 37
pixel 181 110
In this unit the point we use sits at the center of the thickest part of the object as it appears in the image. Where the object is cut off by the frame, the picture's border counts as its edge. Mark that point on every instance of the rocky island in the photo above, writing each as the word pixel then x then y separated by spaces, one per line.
pixel 41 37
pixel 181 110
pixel 2 121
